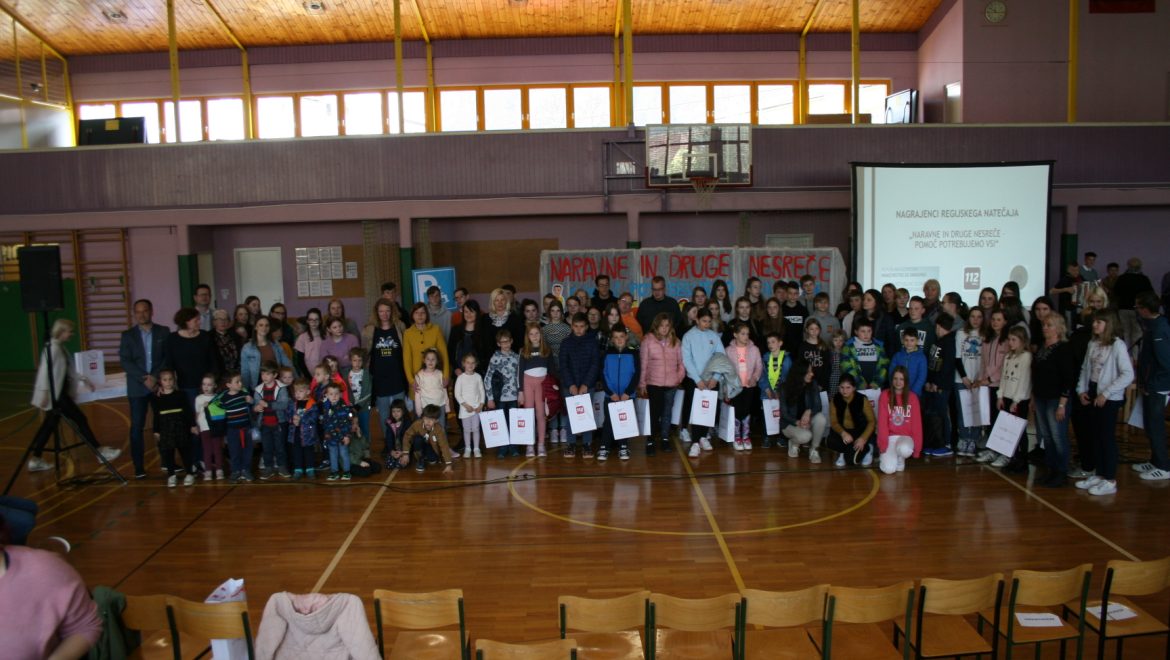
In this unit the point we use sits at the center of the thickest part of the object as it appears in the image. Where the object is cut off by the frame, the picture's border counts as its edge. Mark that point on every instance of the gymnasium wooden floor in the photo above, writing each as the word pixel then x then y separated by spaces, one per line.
pixel 515 534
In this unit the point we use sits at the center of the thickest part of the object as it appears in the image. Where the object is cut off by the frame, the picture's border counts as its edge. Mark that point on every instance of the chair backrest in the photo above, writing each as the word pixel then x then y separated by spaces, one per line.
pixel 784 609
pixel 694 614
pixel 561 649
pixel 1137 578
pixel 1048 588
pixel 437 609
pixel 603 615
pixel 852 605
pixel 146 613
pixel 955 597
pixel 209 621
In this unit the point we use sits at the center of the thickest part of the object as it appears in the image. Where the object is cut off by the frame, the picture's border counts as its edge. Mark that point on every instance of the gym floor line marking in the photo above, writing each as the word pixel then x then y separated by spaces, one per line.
pixel 512 481
pixel 711 519
pixel 353 534
pixel 1066 516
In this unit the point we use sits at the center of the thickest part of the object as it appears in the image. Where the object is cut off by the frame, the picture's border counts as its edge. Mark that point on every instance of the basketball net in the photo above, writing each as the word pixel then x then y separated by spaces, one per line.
pixel 704 190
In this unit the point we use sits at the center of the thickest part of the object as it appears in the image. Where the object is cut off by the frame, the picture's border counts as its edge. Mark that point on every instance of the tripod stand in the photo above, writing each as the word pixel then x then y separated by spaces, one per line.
pixel 51 425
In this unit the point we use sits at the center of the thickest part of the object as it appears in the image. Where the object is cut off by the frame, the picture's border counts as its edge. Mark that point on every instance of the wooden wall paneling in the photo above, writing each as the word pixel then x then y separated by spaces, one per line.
pixel 484 265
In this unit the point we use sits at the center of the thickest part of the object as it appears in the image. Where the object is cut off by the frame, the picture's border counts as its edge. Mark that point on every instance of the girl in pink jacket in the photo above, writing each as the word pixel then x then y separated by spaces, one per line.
pixel 662 371
pixel 899 424
pixel 745 356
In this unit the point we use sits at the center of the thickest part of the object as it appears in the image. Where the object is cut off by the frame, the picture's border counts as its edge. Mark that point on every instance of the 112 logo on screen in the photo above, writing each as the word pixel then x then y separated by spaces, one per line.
pixel 972 277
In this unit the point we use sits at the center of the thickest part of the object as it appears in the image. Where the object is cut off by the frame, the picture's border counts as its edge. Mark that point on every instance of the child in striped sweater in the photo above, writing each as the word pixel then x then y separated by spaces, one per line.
pixel 237 407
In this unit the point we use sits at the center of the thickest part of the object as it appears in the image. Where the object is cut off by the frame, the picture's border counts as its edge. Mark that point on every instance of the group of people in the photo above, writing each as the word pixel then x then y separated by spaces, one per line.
pixel 879 377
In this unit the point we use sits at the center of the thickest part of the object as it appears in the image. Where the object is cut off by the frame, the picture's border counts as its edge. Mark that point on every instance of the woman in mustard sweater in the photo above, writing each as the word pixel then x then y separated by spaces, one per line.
pixel 418 338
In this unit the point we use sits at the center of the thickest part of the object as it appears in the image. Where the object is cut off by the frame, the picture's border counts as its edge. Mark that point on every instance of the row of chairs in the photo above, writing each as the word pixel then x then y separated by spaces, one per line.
pixel 929 620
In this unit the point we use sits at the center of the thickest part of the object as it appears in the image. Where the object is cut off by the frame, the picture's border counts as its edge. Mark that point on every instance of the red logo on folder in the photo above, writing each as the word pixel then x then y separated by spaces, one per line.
pixel 706 404
pixel 495 426
pixel 776 413
pixel 519 423
pixel 621 417
pixel 580 410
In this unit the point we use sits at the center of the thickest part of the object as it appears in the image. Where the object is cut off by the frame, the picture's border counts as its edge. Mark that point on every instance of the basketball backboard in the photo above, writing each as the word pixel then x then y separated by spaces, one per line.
pixel 676 153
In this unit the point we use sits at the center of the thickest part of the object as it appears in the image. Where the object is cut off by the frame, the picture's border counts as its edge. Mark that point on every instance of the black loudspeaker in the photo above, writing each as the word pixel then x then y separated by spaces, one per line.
pixel 40 278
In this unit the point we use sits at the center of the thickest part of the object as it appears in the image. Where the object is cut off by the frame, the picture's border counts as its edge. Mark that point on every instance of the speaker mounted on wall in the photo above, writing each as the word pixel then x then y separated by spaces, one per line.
pixel 40 278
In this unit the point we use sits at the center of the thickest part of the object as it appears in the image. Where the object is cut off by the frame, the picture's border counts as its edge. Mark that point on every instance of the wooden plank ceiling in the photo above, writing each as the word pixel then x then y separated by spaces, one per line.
pixel 77 27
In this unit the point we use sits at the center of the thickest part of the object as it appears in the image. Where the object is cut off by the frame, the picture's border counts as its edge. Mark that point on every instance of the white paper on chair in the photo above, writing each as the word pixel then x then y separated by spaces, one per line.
pixel 703 407
pixel 676 408
pixel 1005 435
pixel 522 426
pixel 623 419
pixel 580 410
pixel 1136 417
pixel 976 406
pixel 1038 620
pixel 772 416
pixel 727 422
pixel 495 428
pixel 642 410
pixel 1116 612
pixel 231 591
pixel 597 400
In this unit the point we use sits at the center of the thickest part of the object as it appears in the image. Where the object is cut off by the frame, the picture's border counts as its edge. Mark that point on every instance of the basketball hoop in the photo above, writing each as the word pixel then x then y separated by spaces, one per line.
pixel 704 190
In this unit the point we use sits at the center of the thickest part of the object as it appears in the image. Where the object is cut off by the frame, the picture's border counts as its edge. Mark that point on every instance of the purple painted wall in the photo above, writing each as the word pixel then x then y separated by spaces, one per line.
pixel 940 59
pixel 154 270
pixel 1116 234
pixel 1126 73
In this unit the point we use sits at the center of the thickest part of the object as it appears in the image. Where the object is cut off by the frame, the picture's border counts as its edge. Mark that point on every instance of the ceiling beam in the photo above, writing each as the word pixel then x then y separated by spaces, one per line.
pixel 422 26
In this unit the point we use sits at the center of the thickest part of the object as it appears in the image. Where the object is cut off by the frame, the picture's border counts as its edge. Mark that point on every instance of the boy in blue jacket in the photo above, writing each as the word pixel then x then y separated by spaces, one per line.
pixel 580 365
pixel 619 377
pixel 913 359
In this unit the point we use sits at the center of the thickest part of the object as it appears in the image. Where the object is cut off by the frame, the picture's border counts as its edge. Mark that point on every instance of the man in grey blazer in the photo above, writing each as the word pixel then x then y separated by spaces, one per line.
pixel 142 355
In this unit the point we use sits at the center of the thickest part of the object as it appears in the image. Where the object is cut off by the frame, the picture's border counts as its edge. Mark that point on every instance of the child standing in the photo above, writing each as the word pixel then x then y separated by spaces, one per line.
pixel 864 357
pixel 272 409
pixel 212 442
pixel 1105 373
pixel 911 358
pixel 1015 389
pixel 360 388
pixel 428 383
pixel 580 365
pixel 397 421
pixel 470 397
pixel 746 357
pixel 502 383
pixel 302 431
pixel 335 424
pixel 772 374
pixel 661 374
pixel 619 377
pixel 940 380
pixel 427 440
pixel 899 424
pixel 535 364
pixel 968 373
pixel 237 406
pixel 174 424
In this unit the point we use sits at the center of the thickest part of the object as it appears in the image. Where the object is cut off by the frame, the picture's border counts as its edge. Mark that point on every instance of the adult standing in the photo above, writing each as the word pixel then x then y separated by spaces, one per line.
pixel 602 295
pixel 191 356
pixel 659 303
pixel 387 374
pixel 255 311
pixel 501 315
pixel 437 310
pixel 1054 378
pixel 202 299
pixel 142 354
pixel 1153 381
pixel 65 381
pixel 258 351
pixel 307 351
pixel 629 318
pixel 1132 282
pixel 420 336
pixel 1088 267
pixel 336 310
pixel 278 314
pixel 225 342
pixel 475 337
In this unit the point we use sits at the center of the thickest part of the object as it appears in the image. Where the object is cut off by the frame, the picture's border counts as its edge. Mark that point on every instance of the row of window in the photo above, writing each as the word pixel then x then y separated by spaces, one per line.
pixel 486 109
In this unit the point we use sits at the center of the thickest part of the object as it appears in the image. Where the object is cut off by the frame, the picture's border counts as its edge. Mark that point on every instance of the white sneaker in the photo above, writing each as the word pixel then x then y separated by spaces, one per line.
pixel 109 453
pixel 705 443
pixel 207 476
pixel 747 445
pixel 814 456
pixel 1155 475
pixel 1104 487
pixel 38 465
pixel 1088 482
pixel 985 456
pixel 1000 462
pixel 694 450
pixel 467 452
pixel 189 480
pixel 1142 467
pixel 738 445
pixel 172 481
pixel 868 460
pixel 793 449
pixel 219 475
pixel 840 462
pixel 477 453
pixel 901 464
pixel 684 435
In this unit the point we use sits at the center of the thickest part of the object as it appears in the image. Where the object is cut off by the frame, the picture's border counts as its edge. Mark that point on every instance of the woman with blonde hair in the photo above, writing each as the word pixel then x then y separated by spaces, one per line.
pixel 65 379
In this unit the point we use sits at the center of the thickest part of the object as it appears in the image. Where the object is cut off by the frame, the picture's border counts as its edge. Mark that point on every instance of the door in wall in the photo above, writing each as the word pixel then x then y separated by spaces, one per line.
pixel 258 273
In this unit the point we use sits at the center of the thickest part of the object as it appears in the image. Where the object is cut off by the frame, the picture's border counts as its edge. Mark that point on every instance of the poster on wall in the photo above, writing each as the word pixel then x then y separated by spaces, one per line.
pixel 317 267
pixel 686 268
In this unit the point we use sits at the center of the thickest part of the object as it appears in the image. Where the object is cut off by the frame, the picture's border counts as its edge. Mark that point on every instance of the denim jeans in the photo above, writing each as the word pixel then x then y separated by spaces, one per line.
pixel 272 448
pixel 1053 434
pixel 1153 412
pixel 661 405
pixel 139 405
pixel 1103 425
pixel 338 453
pixel 239 443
